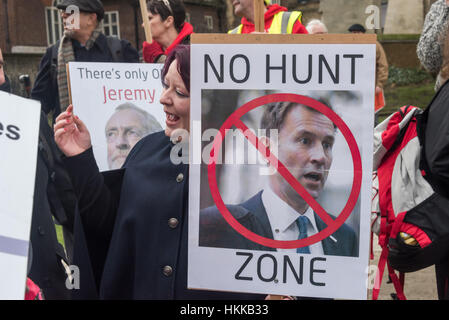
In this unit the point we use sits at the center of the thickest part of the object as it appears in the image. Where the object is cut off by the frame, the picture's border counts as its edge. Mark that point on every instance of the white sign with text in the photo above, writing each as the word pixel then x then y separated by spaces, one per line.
pixel 19 130
pixel 280 203
pixel 119 103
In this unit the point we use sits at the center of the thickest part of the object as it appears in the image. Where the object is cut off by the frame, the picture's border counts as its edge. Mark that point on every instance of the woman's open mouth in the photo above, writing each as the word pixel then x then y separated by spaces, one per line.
pixel 171 118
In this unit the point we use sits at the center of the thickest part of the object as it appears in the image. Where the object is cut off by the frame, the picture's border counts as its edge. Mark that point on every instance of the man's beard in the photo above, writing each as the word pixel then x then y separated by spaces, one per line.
pixel 69 33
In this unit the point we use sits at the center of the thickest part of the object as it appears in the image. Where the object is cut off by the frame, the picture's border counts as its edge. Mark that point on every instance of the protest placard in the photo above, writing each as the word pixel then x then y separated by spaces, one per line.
pixel 19 129
pixel 281 164
pixel 119 103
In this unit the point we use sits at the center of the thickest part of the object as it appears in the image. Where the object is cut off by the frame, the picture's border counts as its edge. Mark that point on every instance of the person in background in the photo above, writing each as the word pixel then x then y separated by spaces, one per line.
pixel 273 15
pixel 315 26
pixel 433 42
pixel 433 53
pixel 4 81
pixel 54 206
pixel 381 60
pixel 53 202
pixel 85 43
pixel 381 68
pixel 168 29
pixel 32 291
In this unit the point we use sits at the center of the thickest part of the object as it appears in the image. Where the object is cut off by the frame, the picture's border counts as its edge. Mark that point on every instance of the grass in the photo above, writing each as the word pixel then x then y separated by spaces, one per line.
pixel 418 95
pixel 401 37
pixel 407 86
pixel 405 76
pixel 59 234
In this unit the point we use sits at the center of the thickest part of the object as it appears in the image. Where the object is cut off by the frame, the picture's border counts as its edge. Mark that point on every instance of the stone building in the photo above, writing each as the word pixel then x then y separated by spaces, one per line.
pixel 400 21
pixel 394 16
pixel 389 16
pixel 310 9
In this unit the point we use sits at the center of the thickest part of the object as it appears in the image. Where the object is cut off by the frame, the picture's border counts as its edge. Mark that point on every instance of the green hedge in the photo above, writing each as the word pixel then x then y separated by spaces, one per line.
pixel 398 37
pixel 406 76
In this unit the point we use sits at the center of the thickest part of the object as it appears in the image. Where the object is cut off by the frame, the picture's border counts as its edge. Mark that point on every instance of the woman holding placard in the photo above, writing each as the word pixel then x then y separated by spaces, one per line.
pixel 168 29
pixel 136 217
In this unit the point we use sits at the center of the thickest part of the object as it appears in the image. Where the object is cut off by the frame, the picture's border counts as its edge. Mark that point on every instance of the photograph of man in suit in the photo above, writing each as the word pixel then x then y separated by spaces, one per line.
pixel 304 145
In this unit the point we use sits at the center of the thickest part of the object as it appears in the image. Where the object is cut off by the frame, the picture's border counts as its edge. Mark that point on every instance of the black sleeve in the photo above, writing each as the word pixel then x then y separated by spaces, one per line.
pixel 98 194
pixel 59 190
pixel 130 54
pixel 43 89
pixel 6 87
pixel 434 136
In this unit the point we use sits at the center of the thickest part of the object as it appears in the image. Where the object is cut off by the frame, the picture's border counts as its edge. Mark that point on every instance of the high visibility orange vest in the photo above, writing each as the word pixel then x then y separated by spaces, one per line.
pixel 283 22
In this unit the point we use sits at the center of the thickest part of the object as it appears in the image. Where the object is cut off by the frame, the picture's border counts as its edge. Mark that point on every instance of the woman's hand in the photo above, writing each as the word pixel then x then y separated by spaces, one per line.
pixel 379 89
pixel 71 134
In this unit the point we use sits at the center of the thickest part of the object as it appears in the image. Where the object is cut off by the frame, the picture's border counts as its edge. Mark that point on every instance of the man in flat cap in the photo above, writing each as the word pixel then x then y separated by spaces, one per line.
pixel 357 28
pixel 83 40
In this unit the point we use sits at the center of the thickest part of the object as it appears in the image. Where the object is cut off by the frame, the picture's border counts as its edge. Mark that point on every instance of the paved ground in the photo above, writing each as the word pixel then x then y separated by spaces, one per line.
pixel 419 285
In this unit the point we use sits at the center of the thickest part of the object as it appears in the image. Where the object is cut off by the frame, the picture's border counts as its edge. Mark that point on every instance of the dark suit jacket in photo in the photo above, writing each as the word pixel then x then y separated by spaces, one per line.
pixel 216 232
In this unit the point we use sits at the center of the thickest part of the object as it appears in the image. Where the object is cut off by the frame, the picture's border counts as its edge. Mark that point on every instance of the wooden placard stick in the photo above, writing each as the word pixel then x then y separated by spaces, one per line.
pixel 146 21
pixel 69 88
pixel 259 20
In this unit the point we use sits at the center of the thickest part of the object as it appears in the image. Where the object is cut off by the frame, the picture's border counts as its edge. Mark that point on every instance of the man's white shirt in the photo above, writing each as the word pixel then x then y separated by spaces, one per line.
pixel 282 219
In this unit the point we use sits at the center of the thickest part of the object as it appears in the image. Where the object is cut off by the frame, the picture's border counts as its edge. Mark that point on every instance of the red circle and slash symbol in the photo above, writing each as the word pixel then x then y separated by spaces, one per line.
pixel 332 225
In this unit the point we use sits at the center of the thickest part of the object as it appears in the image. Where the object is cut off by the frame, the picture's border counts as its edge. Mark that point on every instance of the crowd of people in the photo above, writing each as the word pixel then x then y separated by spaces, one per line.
pixel 141 262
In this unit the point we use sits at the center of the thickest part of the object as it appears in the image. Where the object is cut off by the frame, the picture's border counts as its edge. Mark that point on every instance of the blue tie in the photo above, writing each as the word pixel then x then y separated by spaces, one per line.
pixel 302 223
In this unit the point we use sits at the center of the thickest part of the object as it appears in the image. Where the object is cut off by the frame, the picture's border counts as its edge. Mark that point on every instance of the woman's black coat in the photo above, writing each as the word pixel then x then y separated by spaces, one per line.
pixel 126 220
